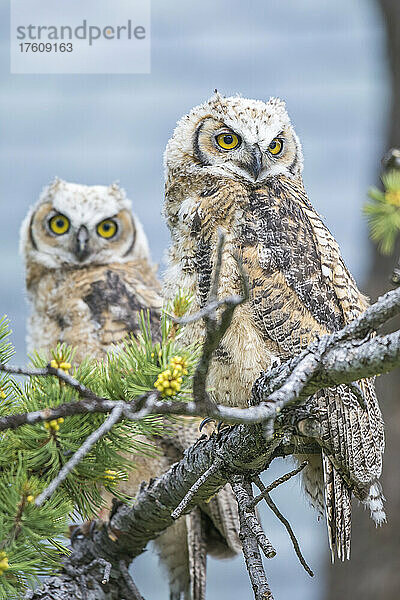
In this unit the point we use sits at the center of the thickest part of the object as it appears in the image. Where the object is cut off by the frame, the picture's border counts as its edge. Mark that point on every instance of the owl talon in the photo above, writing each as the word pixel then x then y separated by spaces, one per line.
pixel 205 422
pixel 221 426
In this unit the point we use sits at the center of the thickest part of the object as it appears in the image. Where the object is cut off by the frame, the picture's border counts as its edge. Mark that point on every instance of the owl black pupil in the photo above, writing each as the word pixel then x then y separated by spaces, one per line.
pixel 106 226
pixel 272 145
pixel 228 139
pixel 60 223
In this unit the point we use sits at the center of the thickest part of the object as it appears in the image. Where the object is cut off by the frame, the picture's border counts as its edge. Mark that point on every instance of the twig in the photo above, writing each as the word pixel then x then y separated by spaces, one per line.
pixel 195 488
pixel 276 511
pixel 81 452
pixel 244 497
pixel 50 371
pixel 250 543
pixel 97 405
pixel 208 309
pixel 104 563
pixel 63 410
pixel 277 482
pixel 106 574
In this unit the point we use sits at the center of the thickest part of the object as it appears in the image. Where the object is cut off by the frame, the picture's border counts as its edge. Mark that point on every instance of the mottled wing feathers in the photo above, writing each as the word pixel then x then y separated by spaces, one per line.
pixel 286 243
pixel 338 510
pixel 300 288
pixel 223 513
pixel 197 554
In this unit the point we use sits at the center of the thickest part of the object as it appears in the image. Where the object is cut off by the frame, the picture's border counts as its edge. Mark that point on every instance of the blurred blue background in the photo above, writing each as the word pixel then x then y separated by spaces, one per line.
pixel 325 59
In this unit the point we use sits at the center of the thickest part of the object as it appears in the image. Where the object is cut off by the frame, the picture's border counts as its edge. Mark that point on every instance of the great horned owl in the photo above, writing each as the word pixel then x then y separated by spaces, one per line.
pixel 236 164
pixel 88 273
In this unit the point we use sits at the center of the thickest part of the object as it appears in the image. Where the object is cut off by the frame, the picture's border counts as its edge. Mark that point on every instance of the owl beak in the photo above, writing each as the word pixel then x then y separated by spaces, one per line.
pixel 255 165
pixel 82 243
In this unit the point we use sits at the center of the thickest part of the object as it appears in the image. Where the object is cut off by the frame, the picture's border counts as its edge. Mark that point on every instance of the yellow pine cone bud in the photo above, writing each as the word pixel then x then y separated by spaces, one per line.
pixel 110 476
pixel 30 498
pixel 3 563
pixel 53 424
pixel 2 394
pixel 393 197
pixel 169 382
pixel 60 364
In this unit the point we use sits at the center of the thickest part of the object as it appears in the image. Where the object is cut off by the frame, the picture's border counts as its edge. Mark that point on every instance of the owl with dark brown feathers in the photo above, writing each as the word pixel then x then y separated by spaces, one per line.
pixel 235 164
pixel 88 274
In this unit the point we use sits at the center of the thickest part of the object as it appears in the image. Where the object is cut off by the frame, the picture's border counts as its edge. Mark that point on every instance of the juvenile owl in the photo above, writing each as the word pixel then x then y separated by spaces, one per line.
pixel 236 164
pixel 88 273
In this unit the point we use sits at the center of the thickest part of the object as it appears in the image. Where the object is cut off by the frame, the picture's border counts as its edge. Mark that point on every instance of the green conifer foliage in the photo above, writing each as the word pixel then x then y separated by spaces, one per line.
pixel 383 213
pixel 32 537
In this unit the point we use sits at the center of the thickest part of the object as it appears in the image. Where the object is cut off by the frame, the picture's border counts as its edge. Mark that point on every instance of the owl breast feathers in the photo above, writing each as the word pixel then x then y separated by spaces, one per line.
pixel 236 164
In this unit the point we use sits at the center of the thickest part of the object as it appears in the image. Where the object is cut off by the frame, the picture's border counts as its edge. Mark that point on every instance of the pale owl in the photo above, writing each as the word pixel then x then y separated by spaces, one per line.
pixel 88 273
pixel 236 164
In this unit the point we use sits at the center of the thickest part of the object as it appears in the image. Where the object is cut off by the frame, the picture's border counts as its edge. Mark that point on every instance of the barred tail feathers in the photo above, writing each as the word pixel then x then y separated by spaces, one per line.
pixel 337 510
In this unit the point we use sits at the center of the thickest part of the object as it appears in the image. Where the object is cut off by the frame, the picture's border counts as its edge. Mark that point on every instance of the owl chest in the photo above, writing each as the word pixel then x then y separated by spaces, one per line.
pixel 242 354
pixel 86 309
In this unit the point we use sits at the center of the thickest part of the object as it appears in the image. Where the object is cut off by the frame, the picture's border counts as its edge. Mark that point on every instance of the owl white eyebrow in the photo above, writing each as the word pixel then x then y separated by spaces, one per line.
pixel 106 218
pixel 279 135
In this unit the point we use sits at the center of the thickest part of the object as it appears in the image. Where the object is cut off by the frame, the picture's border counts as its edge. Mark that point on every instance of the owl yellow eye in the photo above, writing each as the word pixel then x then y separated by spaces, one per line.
pixel 228 141
pixel 59 224
pixel 107 229
pixel 275 146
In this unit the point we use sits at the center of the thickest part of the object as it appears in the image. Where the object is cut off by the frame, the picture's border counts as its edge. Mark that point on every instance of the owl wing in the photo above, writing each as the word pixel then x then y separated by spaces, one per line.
pixel 301 288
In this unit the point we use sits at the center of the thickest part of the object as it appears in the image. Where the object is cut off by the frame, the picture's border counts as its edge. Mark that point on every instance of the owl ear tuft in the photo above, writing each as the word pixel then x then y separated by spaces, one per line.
pixel 54 186
pixel 216 97
pixel 118 192
pixel 277 103
pixel 217 101
pixel 114 189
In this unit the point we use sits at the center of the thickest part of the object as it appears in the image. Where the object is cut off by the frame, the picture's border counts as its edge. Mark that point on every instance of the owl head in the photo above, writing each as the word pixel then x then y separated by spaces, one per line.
pixel 75 225
pixel 236 138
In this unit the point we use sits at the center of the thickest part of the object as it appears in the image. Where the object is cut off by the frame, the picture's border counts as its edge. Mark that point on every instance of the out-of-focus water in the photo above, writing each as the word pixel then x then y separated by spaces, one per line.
pixel 326 59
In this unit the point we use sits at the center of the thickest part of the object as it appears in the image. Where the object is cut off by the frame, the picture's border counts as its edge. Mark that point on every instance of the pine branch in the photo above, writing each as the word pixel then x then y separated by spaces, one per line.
pixel 90 441
pixel 83 391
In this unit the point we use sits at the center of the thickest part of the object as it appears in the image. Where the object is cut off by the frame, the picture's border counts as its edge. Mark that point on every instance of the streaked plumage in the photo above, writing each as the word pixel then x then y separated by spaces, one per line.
pixel 86 290
pixel 300 287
